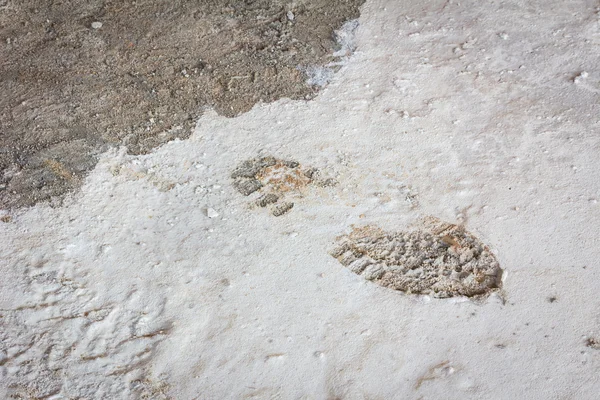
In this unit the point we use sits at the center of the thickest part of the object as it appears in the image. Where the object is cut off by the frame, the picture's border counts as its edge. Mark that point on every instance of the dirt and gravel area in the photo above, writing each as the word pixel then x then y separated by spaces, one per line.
pixel 78 77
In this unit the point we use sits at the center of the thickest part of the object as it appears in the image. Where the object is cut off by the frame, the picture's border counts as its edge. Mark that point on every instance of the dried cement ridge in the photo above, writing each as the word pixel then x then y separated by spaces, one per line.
pixel 441 260
pixel 274 179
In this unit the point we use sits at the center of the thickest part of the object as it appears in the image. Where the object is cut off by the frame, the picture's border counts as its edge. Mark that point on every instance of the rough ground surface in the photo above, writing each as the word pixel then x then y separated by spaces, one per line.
pixel 79 76
pixel 442 260
pixel 154 280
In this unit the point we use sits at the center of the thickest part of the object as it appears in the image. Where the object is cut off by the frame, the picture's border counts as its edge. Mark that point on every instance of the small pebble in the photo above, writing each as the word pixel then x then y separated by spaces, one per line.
pixel 581 77
pixel 211 213
pixel 96 25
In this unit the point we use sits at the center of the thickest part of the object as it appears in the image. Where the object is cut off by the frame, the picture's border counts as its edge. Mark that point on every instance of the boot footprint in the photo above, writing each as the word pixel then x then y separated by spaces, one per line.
pixel 275 180
pixel 438 259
